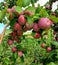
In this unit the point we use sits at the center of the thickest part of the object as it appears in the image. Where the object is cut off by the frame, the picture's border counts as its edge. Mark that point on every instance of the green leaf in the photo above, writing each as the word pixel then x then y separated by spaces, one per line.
pixel 19 2
pixel 12 22
pixel 36 17
pixel 34 1
pixel 49 39
pixel 6 61
pixel 22 59
pixel 16 55
pixel 32 9
pixel 38 9
pixel 19 47
pixel 2 13
pixel 44 13
pixel 55 43
pixel 29 19
pixel 54 18
pixel 26 2
pixel 51 63
pixel 18 9
pixel 56 11
pixel 51 54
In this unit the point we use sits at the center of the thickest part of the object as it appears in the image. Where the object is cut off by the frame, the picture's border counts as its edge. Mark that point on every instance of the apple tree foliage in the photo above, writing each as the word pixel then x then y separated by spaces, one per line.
pixel 20 47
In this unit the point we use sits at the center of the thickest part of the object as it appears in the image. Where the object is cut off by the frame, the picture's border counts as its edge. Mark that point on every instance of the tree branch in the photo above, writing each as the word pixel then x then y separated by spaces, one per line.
pixel 2 35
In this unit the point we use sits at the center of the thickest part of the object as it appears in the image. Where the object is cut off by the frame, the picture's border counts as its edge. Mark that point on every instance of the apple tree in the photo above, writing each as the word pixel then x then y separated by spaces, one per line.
pixel 32 37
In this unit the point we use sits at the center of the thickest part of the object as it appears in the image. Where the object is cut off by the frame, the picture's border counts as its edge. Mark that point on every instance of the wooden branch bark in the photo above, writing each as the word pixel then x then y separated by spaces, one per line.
pixel 2 35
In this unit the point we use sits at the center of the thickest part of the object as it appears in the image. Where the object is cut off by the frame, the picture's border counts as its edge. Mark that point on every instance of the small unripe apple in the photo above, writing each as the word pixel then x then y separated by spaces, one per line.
pixel 20 53
pixel 44 23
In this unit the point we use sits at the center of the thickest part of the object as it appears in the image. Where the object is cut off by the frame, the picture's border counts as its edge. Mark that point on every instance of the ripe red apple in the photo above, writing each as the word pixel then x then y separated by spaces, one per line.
pixel 17 26
pixel 20 53
pixel 10 42
pixel 9 10
pixel 21 20
pixel 35 27
pixel 13 34
pixel 49 49
pixel 37 35
pixel 44 23
pixel 16 39
pixel 28 13
pixel 14 49
pixel 43 45
pixel 19 33
pixel 13 9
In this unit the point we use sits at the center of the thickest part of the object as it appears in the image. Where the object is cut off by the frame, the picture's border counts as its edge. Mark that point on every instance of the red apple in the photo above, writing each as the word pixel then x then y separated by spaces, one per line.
pixel 35 27
pixel 28 26
pixel 16 39
pixel 14 49
pixel 9 10
pixel 21 20
pixel 17 26
pixel 44 23
pixel 13 9
pixel 20 53
pixel 43 45
pixel 37 35
pixel 19 33
pixel 13 34
pixel 49 49
pixel 10 42
pixel 28 13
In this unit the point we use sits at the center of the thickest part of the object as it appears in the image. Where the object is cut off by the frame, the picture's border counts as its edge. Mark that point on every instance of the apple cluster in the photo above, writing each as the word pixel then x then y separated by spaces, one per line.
pixel 22 25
